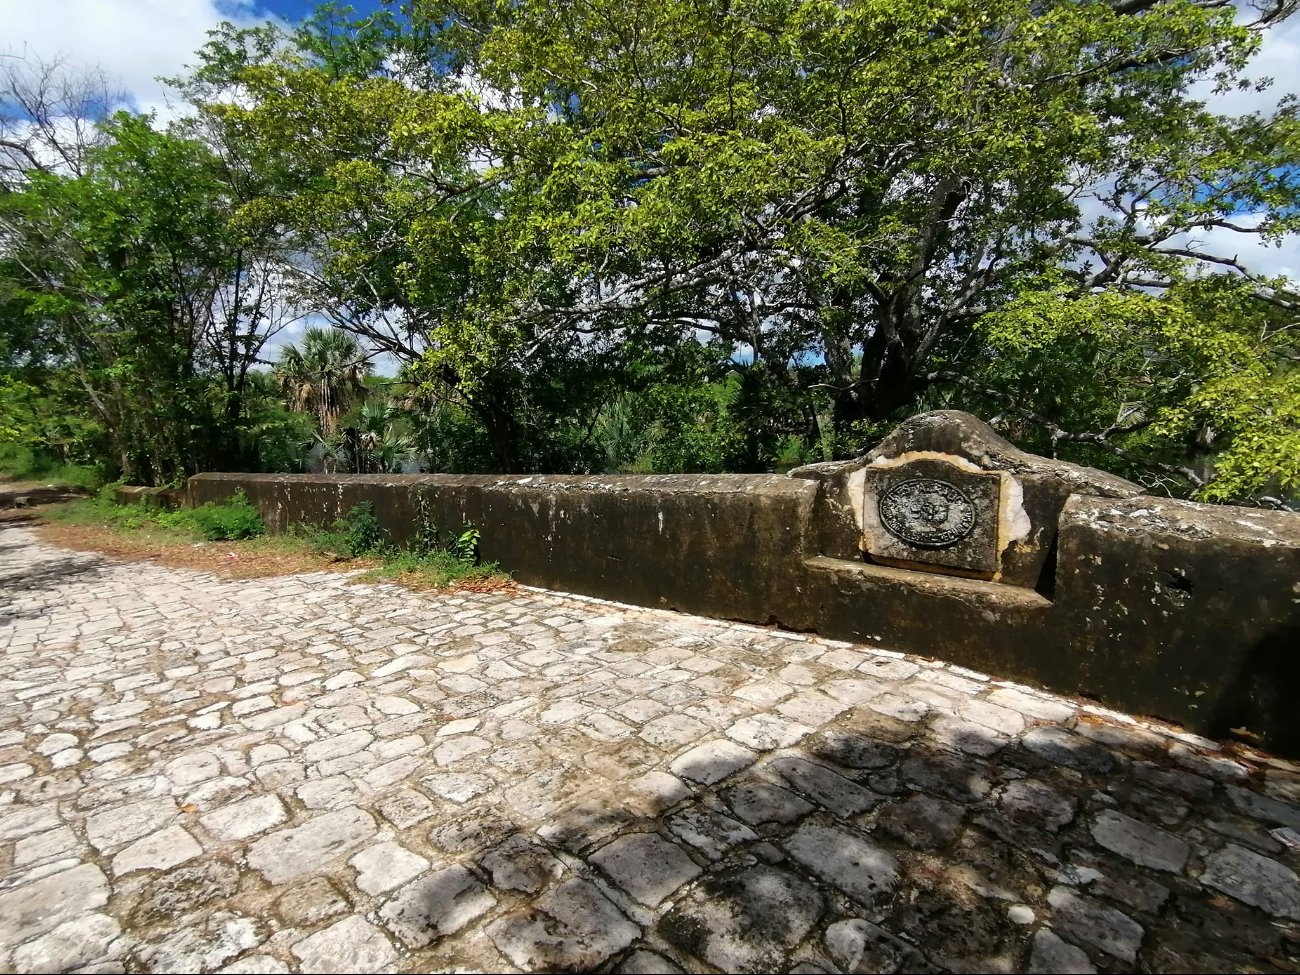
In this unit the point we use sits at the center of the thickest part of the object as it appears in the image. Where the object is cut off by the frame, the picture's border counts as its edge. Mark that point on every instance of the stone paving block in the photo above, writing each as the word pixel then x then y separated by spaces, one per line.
pixel 1053 956
pixel 655 792
pixel 520 864
pixel 240 820
pixel 673 730
pixel 114 828
pixel 922 822
pixel 572 928
pixel 351 945
pixel 435 906
pixel 709 831
pixel 1084 920
pixel 458 787
pixel 845 860
pixel 32 907
pixel 83 941
pixel 405 808
pixel 765 732
pixel 1066 748
pixel 824 786
pixel 1255 880
pixel 200 944
pixel 1140 843
pixel 384 866
pixel 1037 803
pixel 762 802
pixel 290 853
pixel 713 761
pixel 747 923
pixel 456 749
pixel 17 821
pixel 646 866
pixel 50 845
pixel 166 848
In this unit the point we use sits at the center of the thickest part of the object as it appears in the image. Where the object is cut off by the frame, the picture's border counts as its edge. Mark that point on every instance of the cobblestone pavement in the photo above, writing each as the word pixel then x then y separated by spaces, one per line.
pixel 303 774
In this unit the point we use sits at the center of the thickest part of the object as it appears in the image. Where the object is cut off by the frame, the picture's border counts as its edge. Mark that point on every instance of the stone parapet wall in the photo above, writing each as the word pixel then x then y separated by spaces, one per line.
pixel 1073 581
pixel 154 497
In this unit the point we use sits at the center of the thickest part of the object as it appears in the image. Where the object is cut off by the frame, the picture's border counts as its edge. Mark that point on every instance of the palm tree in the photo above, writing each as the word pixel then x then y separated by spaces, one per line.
pixel 377 442
pixel 324 375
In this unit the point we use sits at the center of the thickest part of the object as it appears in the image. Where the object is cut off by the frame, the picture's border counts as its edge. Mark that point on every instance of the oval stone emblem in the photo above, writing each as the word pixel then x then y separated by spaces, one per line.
pixel 926 512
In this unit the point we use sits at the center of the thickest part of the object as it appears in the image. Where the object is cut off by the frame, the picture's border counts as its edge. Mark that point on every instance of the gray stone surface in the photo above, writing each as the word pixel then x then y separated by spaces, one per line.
pixel 750 923
pixel 254 776
pixel 1090 922
pixel 290 853
pixel 1145 845
pixel 351 945
pixel 1254 879
pixel 845 860
pixel 435 906
pixel 1052 956
pixel 574 927
pixel 646 866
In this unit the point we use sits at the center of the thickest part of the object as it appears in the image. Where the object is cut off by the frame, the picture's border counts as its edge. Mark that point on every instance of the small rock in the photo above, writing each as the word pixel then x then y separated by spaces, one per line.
pixel 1020 914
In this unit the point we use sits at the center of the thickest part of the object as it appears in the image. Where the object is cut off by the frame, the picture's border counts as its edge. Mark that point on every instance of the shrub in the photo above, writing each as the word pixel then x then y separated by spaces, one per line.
pixel 229 520
pixel 358 532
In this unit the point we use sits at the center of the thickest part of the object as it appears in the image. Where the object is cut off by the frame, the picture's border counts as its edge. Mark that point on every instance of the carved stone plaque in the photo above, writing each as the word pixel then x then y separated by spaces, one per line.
pixel 927 512
pixel 930 511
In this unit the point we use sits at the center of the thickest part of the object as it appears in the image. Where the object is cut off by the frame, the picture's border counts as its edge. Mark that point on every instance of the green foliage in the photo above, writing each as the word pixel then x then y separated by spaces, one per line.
pixel 357 533
pixel 425 558
pixel 1201 375
pixel 230 520
pixel 465 547
pixel 324 375
pixel 20 463
pixel 435 569
pixel 679 235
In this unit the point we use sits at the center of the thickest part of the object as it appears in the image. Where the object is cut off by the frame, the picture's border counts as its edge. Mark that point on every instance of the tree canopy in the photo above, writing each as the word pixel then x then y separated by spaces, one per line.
pixel 725 234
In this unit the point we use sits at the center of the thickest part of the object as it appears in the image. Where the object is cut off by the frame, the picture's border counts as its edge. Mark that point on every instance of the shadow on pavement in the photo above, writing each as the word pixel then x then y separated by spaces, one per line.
pixel 874 845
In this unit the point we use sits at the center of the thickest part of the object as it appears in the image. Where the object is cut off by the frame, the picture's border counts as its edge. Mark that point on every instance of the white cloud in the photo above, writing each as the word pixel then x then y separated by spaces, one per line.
pixel 133 41
pixel 1278 55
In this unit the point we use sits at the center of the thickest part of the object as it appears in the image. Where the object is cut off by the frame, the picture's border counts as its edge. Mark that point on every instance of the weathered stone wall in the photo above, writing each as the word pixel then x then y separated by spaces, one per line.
pixel 702 544
pixel 152 497
pixel 1074 580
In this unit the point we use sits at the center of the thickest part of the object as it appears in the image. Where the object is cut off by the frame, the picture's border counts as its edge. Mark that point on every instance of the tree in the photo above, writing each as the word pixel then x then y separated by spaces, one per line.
pixel 49 115
pixel 324 376
pixel 842 193
pixel 122 266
